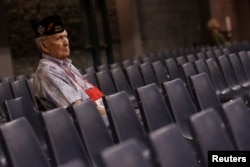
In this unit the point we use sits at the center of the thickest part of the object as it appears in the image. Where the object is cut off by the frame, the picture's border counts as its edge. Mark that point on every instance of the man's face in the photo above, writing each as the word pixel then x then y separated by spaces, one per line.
pixel 58 45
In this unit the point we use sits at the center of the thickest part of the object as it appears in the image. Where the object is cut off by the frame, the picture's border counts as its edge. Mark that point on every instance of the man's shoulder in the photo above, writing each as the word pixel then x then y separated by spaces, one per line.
pixel 47 67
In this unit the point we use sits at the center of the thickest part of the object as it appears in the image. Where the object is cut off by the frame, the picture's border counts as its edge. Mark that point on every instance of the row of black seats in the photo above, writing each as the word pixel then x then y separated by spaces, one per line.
pixel 158 118
pixel 181 132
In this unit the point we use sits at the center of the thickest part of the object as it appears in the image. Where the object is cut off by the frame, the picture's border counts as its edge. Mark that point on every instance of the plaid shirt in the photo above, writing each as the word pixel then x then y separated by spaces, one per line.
pixel 58 83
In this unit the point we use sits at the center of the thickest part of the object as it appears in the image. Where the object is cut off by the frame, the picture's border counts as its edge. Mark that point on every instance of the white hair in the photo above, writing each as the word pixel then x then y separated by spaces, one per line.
pixel 38 42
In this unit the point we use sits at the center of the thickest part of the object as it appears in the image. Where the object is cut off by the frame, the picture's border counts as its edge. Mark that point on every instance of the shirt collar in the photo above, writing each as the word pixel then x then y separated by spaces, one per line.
pixel 66 63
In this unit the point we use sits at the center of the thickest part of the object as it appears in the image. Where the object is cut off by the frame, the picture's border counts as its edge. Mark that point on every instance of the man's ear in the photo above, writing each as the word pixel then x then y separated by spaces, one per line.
pixel 44 47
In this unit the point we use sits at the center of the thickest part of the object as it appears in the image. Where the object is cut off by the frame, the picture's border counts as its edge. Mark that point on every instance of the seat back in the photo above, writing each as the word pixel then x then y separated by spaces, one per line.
pixel 238 116
pixel 180 104
pixel 188 69
pixel 124 122
pixel 210 133
pixel 121 82
pixel 134 77
pixel 160 72
pixel 201 55
pixel 148 73
pixel 5 94
pixel 171 148
pixel 191 58
pixel 210 54
pixel 115 65
pixel 21 89
pixel 90 69
pixel 228 73
pixel 126 63
pixel 217 52
pixel 105 82
pixel 201 67
pixel 91 78
pixel 154 110
pixel 245 61
pixel 103 67
pixel 65 143
pixel 216 75
pixel 130 153
pixel 92 129
pixel 238 69
pixel 21 145
pixel 204 92
pixel 173 69
pixel 23 107
pixel 181 60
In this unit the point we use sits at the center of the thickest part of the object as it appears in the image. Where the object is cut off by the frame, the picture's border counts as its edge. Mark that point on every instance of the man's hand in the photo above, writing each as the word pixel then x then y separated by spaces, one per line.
pixel 101 110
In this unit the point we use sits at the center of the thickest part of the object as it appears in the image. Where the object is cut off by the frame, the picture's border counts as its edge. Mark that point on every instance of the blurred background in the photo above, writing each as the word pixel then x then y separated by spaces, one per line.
pixel 108 31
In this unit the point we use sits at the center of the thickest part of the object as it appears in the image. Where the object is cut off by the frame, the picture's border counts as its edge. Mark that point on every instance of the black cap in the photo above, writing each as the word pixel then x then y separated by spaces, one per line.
pixel 48 26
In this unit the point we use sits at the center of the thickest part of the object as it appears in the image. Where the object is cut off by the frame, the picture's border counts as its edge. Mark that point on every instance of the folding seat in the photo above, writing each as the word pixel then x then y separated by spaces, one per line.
pixel 91 78
pixel 115 65
pixel 210 134
pixel 181 60
pixel 146 59
pixel 136 60
pixel 201 55
pixel 30 85
pixel 205 95
pixel 223 90
pixel 210 54
pixel 21 145
pixel 65 146
pixel 122 84
pixel 172 149
pixel 5 94
pixel 201 66
pixel 92 129
pixel 126 63
pixel 181 105
pixel 229 74
pixel 173 69
pixel 90 69
pixel 238 116
pixel 103 67
pixel 134 77
pixel 238 70
pixel 21 89
pixel 124 121
pixel 188 69
pixel 148 74
pixel 245 61
pixel 131 152
pixel 217 52
pixel 23 107
pixel 160 72
pixel 31 89
pixel 191 58
pixel 226 51
pixel 154 111
pixel 105 82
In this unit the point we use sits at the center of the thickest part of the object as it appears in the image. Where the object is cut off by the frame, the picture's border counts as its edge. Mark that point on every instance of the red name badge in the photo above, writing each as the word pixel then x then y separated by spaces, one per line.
pixel 94 93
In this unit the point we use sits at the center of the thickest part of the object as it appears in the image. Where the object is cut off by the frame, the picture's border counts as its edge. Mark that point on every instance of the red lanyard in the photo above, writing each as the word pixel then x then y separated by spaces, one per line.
pixel 72 77
pixel 94 93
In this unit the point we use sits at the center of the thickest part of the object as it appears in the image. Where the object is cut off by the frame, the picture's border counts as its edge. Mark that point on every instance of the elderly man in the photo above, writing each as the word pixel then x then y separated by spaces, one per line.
pixel 57 82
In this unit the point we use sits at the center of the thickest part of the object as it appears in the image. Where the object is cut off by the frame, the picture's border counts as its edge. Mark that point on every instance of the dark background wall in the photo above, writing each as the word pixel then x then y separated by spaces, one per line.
pixel 144 26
